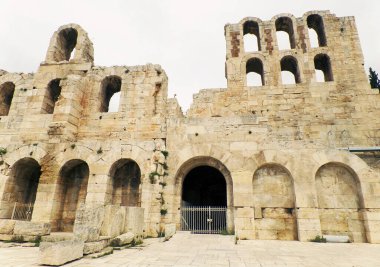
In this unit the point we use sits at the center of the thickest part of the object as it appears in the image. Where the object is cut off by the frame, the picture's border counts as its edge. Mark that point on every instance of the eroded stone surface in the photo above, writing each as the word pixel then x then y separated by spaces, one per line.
pixel 31 228
pixel 58 253
pixel 7 226
pixel 123 239
pixel 281 148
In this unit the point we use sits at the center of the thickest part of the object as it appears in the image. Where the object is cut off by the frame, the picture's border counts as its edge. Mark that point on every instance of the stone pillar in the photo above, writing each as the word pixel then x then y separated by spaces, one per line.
pixel 48 196
pixel 308 223
pixel 244 222
pixel 372 225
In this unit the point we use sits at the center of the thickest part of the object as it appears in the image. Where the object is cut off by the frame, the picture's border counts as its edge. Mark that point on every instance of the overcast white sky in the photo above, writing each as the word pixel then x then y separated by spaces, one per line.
pixel 185 37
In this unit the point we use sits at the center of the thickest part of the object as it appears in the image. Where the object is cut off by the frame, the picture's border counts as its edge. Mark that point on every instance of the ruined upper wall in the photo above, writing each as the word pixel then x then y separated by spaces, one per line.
pixel 69 98
pixel 340 111
pixel 338 54
pixel 66 40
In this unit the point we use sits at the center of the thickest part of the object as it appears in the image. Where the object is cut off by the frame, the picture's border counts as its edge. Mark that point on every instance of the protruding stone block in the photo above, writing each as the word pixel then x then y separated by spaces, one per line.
pixel 93 247
pixel 31 228
pixel 7 226
pixel 134 220
pixel 88 221
pixel 59 253
pixel 170 229
pixel 114 221
pixel 123 239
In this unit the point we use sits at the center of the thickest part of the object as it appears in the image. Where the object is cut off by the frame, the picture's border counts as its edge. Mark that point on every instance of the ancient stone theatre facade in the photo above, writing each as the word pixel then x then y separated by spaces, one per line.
pixel 282 161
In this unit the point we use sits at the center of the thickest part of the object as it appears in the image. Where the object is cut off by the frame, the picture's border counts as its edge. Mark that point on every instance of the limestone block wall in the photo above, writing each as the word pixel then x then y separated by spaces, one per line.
pixel 278 147
pixel 64 127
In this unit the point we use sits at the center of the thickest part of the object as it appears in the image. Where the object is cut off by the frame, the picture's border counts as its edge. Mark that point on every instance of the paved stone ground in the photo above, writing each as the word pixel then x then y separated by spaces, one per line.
pixel 185 250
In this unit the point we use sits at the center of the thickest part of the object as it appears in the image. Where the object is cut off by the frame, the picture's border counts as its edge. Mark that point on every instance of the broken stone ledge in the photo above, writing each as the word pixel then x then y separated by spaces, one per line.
pixel 58 253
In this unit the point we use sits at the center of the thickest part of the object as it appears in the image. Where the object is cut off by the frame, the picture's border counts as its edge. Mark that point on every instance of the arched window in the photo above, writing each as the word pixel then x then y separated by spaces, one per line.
pixel 110 86
pixel 322 63
pixel 66 42
pixel 251 36
pixel 6 95
pixel 289 65
pixel 255 72
pixel 315 23
pixel 53 92
pixel 285 33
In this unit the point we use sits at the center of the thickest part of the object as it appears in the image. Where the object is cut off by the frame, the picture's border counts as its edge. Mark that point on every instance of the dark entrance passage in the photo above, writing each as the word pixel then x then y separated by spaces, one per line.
pixel 21 190
pixel 204 201
pixel 204 186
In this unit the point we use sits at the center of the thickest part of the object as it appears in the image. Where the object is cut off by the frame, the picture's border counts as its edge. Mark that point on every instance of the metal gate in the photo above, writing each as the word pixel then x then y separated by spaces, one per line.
pixel 22 211
pixel 203 219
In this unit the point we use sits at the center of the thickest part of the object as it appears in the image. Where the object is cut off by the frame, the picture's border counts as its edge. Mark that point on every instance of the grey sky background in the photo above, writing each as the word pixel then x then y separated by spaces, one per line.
pixel 185 37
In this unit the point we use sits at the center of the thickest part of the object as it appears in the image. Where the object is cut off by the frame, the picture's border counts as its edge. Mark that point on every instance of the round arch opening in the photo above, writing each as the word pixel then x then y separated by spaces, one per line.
pixel 21 190
pixel 204 186
pixel 204 197
pixel 71 194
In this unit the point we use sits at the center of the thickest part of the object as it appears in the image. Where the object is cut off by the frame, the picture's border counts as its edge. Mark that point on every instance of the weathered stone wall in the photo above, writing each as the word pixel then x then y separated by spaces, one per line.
pixel 277 146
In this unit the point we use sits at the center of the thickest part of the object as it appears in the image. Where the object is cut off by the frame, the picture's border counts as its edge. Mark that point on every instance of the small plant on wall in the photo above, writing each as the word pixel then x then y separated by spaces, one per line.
pixel 3 151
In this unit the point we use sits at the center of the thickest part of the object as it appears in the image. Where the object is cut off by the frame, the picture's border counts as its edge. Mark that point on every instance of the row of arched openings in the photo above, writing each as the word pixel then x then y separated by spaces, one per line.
pixel 339 199
pixel 290 72
pixel 109 95
pixel 123 188
pixel 284 33
pixel 338 190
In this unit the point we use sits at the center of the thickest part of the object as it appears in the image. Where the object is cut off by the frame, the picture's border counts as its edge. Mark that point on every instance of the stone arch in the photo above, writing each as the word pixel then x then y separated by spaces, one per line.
pixel 340 201
pixel 20 187
pixel 109 87
pixel 258 56
pixel 322 62
pixel 209 161
pixel 251 26
pixel 274 200
pixel 290 64
pixel 53 91
pixel 27 151
pixel 255 65
pixel 65 41
pixel 358 166
pixel 315 22
pixel 125 176
pixel 70 193
pixel 285 23
pixel 7 90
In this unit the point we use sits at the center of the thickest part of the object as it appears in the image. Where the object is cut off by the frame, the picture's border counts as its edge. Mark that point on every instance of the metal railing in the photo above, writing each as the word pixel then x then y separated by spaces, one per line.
pixel 22 212
pixel 203 219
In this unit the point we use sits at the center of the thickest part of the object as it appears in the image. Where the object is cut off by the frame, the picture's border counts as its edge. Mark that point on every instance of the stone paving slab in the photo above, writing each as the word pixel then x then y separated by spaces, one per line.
pixel 185 250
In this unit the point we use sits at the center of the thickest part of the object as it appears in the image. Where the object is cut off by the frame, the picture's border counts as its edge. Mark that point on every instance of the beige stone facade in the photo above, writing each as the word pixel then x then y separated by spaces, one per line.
pixel 286 152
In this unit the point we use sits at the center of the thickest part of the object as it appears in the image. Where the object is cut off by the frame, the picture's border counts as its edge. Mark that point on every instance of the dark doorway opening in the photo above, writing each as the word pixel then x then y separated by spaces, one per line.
pixel 204 201
pixel 204 186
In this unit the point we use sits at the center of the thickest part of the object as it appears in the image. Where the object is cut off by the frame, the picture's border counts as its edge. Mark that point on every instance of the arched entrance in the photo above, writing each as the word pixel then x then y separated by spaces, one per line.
pixel 21 190
pixel 204 191
pixel 204 186
pixel 71 193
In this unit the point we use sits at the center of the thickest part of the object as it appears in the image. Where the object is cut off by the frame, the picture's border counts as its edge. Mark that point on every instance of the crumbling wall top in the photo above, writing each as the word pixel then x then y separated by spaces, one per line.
pixel 70 43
